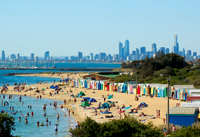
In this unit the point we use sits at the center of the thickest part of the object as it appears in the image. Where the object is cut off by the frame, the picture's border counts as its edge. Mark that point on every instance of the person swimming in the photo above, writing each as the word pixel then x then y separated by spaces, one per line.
pixel 38 123
pixel 32 113
pixel 27 113
pixel 19 118
pixel 47 121
pixel 45 114
pixel 26 121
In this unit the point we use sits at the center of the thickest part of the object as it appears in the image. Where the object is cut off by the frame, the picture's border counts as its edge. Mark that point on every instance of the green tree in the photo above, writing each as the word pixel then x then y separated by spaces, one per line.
pixel 6 125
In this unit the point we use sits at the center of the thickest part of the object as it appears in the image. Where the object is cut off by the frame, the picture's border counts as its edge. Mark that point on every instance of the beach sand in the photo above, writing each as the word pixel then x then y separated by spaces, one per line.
pixel 122 98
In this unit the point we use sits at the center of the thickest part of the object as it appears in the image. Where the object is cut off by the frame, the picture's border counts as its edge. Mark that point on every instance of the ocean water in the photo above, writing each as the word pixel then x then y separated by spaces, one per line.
pixel 31 129
pixel 20 79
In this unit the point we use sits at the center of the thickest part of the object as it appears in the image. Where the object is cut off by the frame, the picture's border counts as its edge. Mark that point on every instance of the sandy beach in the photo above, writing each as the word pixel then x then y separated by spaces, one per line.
pixel 121 98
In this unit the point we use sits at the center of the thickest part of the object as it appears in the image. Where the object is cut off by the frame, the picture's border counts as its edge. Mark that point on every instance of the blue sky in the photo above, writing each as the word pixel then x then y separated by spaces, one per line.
pixel 65 27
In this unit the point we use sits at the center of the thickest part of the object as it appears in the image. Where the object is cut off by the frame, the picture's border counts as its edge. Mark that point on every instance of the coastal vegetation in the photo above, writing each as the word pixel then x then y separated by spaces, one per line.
pixel 6 125
pixel 159 69
pixel 130 127
pixel 116 128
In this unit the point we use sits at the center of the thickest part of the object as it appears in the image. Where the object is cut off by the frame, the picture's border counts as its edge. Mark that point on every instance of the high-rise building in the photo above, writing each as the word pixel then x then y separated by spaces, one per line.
pixel 91 56
pixel 32 56
pixel 162 49
pixel 183 52
pixel 154 49
pixel 176 45
pixel 133 53
pixel 46 55
pixel 3 57
pixel 12 57
pixel 36 59
pixel 194 54
pixel 102 56
pixel 126 49
pixel 137 54
pixel 96 57
pixel 148 53
pixel 80 55
pixel 189 53
pixel 143 51
pixel 166 50
pixel 121 53
pixel 18 56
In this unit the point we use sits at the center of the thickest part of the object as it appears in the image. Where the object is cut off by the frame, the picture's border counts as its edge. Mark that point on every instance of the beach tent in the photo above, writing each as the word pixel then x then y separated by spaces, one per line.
pixel 110 96
pixel 105 105
pixel 81 93
pixel 85 103
pixel 92 100
pixel 85 99
pixel 106 112
pixel 143 103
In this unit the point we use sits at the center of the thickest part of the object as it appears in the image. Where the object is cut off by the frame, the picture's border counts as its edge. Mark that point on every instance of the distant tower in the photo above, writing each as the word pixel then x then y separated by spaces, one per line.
pixel 46 55
pixel 32 56
pixel 91 56
pixel 176 45
pixel 121 53
pixel 166 50
pixel 154 49
pixel 162 49
pixel 80 55
pixel 3 56
pixel 189 53
pixel 126 49
pixel 143 51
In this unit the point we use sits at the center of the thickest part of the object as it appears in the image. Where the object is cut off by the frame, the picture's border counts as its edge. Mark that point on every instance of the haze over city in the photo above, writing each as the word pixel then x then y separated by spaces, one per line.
pixel 66 27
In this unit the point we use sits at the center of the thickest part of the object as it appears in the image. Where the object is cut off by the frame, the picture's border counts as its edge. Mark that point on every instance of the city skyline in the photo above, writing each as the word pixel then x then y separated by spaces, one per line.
pixel 65 27
pixel 123 55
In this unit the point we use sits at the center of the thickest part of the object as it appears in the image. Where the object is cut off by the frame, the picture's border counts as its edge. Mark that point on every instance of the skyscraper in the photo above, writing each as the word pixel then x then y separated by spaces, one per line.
pixel 137 54
pixel 194 54
pixel 189 53
pixel 162 49
pixel 80 55
pixel 18 56
pixel 91 56
pixel 143 51
pixel 121 53
pixel 176 45
pixel 32 56
pixel 166 50
pixel 154 49
pixel 3 57
pixel 126 49
pixel 46 55
pixel 183 52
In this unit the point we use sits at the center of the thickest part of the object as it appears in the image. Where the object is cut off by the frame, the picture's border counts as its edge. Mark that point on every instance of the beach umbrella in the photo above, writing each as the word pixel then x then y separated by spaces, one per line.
pixel 106 112
pixel 43 89
pixel 127 108
pixel 85 103
pixel 105 105
pixel 110 96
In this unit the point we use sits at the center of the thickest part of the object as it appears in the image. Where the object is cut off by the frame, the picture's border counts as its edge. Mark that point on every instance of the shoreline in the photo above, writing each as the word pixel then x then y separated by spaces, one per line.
pixel 122 98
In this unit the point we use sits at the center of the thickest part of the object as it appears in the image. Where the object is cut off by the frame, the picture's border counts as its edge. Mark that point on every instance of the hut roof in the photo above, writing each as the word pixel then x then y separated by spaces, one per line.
pixel 184 86
pixel 182 110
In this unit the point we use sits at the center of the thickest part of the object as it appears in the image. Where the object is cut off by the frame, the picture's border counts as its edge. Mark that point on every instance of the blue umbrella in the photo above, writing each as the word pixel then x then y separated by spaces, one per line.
pixel 127 108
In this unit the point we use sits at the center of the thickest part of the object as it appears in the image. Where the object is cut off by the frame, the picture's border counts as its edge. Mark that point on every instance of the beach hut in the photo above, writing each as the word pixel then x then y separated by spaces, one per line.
pixel 85 103
pixel 183 116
